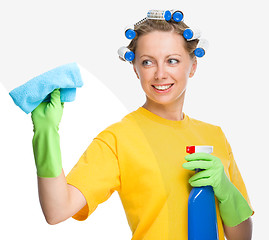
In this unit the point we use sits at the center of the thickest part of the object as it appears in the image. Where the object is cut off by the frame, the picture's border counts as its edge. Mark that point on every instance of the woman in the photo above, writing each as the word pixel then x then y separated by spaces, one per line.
pixel 141 156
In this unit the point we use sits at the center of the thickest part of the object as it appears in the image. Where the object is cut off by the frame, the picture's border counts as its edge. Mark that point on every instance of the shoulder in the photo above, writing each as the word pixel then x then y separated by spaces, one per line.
pixel 114 130
pixel 202 124
pixel 212 130
pixel 206 128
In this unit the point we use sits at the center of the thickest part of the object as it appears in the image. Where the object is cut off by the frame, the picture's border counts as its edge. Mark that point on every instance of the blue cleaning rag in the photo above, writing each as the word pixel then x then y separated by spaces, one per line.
pixel 66 77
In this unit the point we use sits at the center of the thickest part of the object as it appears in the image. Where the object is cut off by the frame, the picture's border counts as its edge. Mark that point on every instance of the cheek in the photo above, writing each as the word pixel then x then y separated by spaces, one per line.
pixel 179 75
pixel 146 75
pixel 183 72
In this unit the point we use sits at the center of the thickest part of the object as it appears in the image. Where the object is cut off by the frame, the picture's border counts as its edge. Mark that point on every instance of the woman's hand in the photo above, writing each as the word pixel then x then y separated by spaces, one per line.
pixel 48 114
pixel 234 209
pixel 213 173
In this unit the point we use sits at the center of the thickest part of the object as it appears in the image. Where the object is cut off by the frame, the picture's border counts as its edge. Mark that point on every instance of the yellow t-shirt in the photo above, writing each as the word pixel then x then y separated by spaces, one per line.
pixel 141 157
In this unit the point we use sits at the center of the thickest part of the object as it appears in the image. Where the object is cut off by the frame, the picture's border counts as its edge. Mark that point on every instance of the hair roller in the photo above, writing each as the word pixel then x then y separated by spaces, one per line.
pixel 159 15
pixel 126 54
pixel 191 34
pixel 129 31
pixel 177 16
pixel 201 48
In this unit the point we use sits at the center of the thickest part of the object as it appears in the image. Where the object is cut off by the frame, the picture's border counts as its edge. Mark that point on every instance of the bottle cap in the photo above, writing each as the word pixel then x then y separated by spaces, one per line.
pixel 203 149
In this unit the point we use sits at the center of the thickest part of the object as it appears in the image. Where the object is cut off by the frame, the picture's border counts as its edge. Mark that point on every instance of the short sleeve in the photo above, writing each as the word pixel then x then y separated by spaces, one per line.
pixel 96 175
pixel 235 175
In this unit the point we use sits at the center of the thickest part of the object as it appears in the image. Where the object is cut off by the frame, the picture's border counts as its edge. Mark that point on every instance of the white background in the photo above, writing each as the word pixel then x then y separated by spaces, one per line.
pixel 229 89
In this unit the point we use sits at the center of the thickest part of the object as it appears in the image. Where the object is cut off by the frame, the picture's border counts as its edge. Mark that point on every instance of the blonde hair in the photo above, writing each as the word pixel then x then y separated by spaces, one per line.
pixel 151 25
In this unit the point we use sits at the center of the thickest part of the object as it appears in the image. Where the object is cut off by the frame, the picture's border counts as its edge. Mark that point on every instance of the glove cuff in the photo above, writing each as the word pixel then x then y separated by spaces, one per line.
pixel 47 153
pixel 235 209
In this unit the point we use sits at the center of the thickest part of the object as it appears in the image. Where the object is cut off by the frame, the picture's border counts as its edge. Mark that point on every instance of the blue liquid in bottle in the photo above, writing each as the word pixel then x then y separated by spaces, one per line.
pixel 202 219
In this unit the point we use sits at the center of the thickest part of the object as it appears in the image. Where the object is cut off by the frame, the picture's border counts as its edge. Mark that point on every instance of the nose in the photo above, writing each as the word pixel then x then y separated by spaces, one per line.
pixel 161 72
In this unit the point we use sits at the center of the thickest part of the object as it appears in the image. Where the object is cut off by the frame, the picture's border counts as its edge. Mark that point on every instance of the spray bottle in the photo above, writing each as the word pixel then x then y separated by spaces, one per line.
pixel 202 219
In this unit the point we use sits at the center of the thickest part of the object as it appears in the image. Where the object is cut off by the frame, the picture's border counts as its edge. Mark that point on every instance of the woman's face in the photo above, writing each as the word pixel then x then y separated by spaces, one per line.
pixel 161 60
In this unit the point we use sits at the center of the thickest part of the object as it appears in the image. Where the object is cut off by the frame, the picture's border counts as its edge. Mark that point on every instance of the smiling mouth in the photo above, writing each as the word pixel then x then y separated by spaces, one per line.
pixel 163 87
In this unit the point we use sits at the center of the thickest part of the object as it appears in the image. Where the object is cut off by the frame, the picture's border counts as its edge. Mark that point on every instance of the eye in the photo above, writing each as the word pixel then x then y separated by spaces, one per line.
pixel 146 63
pixel 173 61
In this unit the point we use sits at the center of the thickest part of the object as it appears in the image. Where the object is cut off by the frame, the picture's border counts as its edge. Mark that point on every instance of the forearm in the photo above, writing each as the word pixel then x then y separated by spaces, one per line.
pixel 242 231
pixel 54 197
pixel 58 200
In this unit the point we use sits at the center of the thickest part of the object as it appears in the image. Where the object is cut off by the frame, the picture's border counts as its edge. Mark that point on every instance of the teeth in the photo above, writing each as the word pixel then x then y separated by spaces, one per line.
pixel 162 87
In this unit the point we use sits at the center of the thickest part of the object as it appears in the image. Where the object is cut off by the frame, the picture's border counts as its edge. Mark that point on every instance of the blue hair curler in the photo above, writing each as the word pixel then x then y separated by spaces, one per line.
pixel 201 48
pixel 130 32
pixel 159 15
pixel 177 15
pixel 126 54
pixel 191 34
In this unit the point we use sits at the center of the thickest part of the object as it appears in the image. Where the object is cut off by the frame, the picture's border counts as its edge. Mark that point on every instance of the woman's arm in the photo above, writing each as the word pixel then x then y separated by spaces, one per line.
pixel 242 231
pixel 59 200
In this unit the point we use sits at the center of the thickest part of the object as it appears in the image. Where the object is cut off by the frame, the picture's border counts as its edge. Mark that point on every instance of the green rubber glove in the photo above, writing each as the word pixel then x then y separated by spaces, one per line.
pixel 46 140
pixel 233 207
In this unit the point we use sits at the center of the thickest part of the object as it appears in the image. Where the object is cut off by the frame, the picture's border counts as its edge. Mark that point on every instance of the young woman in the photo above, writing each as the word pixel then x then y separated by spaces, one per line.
pixel 143 156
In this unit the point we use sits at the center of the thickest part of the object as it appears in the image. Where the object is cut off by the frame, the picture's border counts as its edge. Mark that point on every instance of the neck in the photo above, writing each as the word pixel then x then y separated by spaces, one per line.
pixel 170 112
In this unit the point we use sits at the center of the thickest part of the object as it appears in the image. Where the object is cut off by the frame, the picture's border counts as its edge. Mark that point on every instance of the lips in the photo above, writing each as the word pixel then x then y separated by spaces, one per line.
pixel 162 84
pixel 164 88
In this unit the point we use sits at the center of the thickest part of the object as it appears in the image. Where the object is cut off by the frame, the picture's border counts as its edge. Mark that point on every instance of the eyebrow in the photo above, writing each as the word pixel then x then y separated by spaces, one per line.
pixel 166 56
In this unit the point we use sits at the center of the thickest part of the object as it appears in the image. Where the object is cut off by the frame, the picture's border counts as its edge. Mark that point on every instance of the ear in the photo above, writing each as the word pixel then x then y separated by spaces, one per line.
pixel 135 71
pixel 193 67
